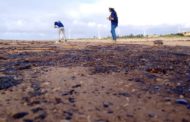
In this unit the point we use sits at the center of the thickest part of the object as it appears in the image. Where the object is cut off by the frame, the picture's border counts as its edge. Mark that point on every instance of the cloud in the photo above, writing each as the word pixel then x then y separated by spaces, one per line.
pixel 85 18
pixel 92 24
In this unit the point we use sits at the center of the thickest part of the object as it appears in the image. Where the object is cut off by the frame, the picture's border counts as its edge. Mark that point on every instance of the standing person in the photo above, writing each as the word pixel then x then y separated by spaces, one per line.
pixel 60 26
pixel 114 22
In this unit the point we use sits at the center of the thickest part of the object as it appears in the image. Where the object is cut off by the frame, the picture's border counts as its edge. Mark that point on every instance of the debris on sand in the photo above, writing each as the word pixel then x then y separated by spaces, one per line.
pixel 36 89
pixel 125 94
pixel 94 82
pixel 76 86
pixel 24 66
pixel 7 82
pixel 68 115
pixel 71 100
pixel 71 92
pixel 104 69
pixel 36 110
pixel 107 104
pixel 182 101
pixel 41 115
pixel 158 42
pixel 20 115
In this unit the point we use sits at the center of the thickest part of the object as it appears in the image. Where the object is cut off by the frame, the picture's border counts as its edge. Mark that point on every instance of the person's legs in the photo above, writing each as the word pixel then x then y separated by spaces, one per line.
pixel 60 34
pixel 57 41
pixel 63 34
pixel 113 27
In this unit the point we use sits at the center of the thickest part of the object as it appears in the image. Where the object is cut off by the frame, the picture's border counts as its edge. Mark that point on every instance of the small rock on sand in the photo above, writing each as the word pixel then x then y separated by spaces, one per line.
pixel 158 42
pixel 182 101
pixel 20 115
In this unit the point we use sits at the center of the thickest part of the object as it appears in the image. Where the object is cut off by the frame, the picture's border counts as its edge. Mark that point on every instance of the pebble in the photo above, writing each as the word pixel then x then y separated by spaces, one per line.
pixel 139 80
pixel 35 110
pixel 71 100
pixel 125 94
pixel 71 92
pixel 151 115
pixel 20 115
pixel 76 86
pixel 68 115
pixel 167 99
pixel 58 100
pixel 110 112
pixel 36 89
pixel 107 104
pixel 182 101
pixel 42 115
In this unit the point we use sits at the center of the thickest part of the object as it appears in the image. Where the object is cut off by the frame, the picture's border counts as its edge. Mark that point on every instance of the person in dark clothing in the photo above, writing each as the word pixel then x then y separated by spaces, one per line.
pixel 61 30
pixel 114 22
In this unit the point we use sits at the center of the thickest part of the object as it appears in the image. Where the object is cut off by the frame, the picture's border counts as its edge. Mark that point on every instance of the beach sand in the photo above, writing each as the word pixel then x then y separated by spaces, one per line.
pixel 95 81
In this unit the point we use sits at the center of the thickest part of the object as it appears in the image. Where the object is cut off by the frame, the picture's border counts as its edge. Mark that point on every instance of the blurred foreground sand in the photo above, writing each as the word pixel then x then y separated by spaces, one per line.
pixel 95 81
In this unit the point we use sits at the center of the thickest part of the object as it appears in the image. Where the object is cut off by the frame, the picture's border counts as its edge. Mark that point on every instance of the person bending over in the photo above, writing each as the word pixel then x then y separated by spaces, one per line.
pixel 61 31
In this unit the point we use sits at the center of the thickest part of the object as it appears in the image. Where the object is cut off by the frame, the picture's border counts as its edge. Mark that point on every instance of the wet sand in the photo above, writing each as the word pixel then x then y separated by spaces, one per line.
pixel 100 81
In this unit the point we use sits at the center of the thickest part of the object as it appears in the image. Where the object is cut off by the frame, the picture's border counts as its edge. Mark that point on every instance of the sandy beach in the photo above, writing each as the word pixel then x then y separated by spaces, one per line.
pixel 95 81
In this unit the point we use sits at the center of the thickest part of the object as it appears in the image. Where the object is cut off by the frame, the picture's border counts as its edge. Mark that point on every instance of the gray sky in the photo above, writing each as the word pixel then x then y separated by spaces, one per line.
pixel 22 19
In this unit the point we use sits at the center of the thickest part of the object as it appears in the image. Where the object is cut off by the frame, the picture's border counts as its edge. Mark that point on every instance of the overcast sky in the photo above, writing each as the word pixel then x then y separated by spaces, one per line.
pixel 24 19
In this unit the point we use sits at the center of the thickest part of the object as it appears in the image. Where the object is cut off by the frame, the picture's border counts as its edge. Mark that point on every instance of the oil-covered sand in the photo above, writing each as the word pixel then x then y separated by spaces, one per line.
pixel 94 82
